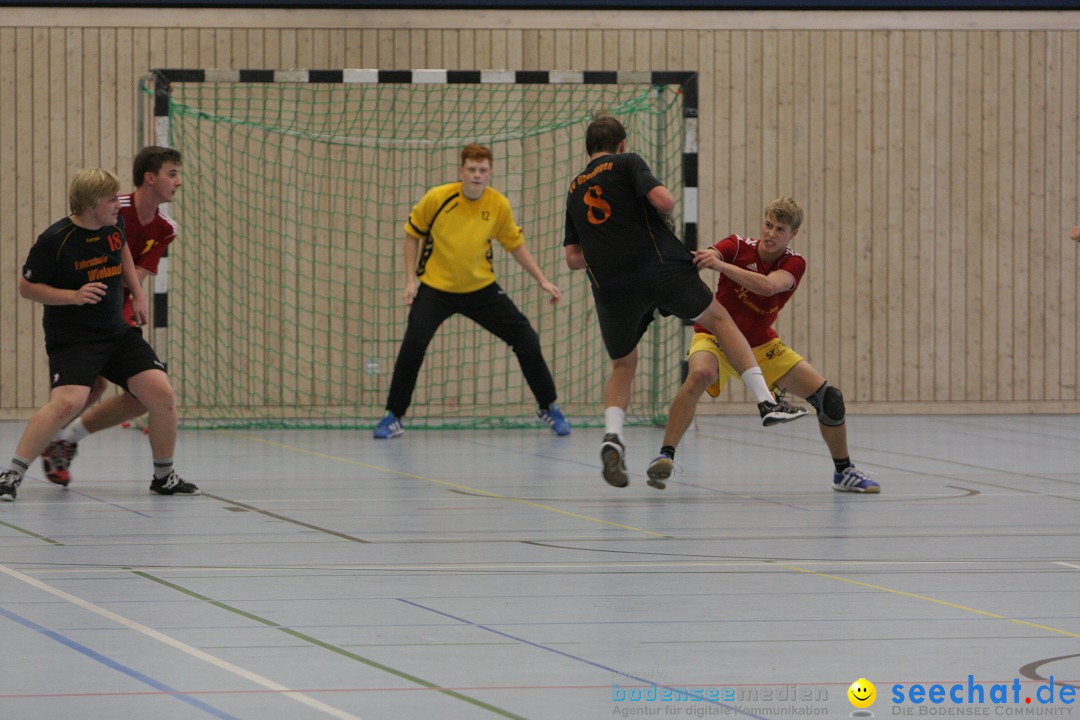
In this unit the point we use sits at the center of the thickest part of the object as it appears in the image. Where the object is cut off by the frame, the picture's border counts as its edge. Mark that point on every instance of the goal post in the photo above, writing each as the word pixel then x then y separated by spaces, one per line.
pixel 284 298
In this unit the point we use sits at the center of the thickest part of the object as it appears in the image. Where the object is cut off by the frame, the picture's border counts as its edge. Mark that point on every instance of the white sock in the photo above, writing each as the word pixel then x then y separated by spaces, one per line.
pixel 162 468
pixel 19 465
pixel 755 382
pixel 613 420
pixel 74 432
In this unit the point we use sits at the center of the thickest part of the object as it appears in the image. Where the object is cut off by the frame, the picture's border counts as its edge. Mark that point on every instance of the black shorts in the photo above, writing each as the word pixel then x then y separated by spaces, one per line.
pixel 625 305
pixel 117 358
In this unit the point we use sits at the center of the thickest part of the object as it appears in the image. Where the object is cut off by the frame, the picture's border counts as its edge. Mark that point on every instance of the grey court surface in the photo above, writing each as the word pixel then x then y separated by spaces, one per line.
pixel 478 574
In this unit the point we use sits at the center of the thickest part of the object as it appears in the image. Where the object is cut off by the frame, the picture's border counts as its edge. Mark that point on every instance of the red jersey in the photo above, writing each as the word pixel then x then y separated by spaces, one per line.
pixel 754 314
pixel 147 242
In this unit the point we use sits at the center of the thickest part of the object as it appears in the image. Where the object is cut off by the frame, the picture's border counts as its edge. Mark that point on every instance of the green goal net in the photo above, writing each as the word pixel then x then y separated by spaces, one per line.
pixel 285 287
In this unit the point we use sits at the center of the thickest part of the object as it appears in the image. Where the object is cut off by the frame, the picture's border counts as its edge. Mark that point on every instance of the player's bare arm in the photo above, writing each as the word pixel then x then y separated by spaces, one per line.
pixel 777 281
pixel 575 259
pixel 412 249
pixel 139 312
pixel 525 259
pixel 661 199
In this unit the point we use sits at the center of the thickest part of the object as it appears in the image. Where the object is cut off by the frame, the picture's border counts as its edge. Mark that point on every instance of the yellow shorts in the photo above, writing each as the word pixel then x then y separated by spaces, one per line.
pixel 774 357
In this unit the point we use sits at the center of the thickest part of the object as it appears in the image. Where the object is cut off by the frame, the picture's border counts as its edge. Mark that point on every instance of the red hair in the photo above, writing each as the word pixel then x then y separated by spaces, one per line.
pixel 474 151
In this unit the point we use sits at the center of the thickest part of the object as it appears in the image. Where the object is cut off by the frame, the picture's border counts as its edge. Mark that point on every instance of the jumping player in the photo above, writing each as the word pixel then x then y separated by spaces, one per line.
pixel 617 230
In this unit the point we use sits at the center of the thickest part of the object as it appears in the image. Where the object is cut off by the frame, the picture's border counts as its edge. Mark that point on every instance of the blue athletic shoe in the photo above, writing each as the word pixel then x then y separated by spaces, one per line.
pixel 554 417
pixel 389 427
pixel 854 480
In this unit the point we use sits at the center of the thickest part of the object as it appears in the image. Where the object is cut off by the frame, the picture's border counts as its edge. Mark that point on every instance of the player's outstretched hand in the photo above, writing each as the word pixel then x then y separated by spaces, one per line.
pixel 707 259
pixel 91 293
pixel 551 290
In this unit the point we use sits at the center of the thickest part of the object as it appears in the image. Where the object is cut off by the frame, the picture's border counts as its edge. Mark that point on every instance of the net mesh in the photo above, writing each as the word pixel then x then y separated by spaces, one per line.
pixel 285 287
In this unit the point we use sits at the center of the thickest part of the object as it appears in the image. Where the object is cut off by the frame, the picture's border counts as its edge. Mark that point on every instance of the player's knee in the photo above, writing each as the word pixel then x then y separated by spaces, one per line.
pixel 829 403
pixel 626 363
pixel 700 378
pixel 413 349
pixel 525 341
pixel 163 393
pixel 66 404
pixel 153 391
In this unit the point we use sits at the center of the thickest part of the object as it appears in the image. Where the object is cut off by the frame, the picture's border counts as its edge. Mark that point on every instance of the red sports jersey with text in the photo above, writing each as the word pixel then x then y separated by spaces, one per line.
pixel 754 314
pixel 147 242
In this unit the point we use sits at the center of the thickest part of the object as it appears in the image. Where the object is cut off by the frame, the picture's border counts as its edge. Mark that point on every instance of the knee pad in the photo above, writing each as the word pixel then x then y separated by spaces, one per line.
pixel 829 403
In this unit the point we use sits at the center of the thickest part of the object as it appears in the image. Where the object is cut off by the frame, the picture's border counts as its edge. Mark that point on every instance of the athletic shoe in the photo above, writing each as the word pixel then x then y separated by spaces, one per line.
pixel 780 411
pixel 9 484
pixel 854 480
pixel 56 459
pixel 173 484
pixel 659 471
pixel 554 417
pixel 389 427
pixel 611 454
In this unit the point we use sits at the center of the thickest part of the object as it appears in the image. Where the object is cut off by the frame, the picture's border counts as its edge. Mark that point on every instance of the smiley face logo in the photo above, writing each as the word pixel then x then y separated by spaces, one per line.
pixel 862 693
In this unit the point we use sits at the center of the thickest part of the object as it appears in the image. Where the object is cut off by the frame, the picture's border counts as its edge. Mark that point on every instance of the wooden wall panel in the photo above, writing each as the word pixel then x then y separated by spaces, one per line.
pixel 30 53
pixel 969 230
pixel 937 166
pixel 10 262
pixel 1068 275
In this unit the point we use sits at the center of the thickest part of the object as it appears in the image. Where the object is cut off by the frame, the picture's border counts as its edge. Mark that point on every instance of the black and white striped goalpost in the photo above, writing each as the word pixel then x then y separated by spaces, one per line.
pixel 684 81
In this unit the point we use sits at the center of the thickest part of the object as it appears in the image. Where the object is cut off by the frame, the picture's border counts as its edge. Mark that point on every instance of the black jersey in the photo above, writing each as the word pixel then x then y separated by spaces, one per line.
pixel 67 256
pixel 619 230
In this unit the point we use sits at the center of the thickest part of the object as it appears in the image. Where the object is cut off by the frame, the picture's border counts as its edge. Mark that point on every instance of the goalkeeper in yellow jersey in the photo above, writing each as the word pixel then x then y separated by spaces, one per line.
pixel 448 270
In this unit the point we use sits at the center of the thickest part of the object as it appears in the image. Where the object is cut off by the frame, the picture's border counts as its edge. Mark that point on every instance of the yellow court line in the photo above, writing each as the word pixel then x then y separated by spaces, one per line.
pixel 926 598
pixel 456 486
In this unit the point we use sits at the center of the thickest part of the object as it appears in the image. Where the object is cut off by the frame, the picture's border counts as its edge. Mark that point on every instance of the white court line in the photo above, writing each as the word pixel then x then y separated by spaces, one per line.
pixel 758 563
pixel 181 646
pixel 1070 565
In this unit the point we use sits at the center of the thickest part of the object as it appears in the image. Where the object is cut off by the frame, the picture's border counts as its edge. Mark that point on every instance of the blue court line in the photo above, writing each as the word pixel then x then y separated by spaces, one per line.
pixel 538 646
pixel 108 662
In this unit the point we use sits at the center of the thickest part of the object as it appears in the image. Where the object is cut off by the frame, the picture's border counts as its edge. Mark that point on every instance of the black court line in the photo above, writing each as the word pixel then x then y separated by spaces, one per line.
pixel 335 533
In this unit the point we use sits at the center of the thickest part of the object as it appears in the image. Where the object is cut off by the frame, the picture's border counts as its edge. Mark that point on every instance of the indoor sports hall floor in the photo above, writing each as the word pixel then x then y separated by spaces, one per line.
pixel 477 574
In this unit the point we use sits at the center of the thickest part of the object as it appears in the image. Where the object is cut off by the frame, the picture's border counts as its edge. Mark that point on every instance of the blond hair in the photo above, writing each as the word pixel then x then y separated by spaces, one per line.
pixel 89 186
pixel 785 211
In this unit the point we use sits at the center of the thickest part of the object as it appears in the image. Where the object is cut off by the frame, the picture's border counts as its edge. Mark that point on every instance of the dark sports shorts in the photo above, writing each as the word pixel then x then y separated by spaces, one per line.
pixel 117 358
pixel 625 305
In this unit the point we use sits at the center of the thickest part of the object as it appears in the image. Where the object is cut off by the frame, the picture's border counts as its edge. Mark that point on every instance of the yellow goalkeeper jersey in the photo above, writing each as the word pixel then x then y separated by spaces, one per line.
pixel 455 235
